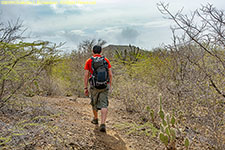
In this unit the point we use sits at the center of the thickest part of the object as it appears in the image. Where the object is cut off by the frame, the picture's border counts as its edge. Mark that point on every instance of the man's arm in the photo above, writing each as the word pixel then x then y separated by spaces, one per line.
pixel 110 77
pixel 86 76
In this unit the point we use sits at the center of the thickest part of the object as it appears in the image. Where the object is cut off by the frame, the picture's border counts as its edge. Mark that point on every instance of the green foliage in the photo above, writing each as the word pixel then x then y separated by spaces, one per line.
pixel 128 56
pixel 29 129
pixel 164 139
pixel 5 140
pixel 152 113
pixel 168 130
pixel 186 143
pixel 161 114
pixel 168 135
pixel 69 73
pixel 150 68
pixel 21 64
pixel 173 121
pixel 147 128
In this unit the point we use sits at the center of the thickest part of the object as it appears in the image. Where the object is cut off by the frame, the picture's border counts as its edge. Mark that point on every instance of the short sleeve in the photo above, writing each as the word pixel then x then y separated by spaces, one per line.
pixel 109 65
pixel 87 66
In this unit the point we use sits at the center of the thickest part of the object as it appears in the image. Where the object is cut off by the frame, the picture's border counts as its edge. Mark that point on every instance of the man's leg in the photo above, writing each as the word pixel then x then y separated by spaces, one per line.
pixel 103 105
pixel 103 115
pixel 95 120
pixel 95 112
pixel 93 103
pixel 103 119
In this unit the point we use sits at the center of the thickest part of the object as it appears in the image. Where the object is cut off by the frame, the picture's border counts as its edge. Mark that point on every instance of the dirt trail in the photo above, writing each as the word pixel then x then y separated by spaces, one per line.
pixel 80 133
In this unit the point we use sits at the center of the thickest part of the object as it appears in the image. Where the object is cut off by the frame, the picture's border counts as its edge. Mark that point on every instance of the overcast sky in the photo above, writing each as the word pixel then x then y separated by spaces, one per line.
pixel 136 22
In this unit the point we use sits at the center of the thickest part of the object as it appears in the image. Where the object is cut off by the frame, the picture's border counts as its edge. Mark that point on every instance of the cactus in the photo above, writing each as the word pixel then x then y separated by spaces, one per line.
pixel 164 139
pixel 186 143
pixel 129 55
pixel 167 130
pixel 152 114
pixel 168 134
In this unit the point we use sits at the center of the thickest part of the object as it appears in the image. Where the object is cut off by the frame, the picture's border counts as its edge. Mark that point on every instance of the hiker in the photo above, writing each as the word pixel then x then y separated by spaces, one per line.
pixel 98 73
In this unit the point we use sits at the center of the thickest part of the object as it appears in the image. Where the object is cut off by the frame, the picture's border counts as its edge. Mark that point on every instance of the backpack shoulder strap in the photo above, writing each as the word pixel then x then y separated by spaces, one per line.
pixel 92 58
pixel 105 62
pixel 92 63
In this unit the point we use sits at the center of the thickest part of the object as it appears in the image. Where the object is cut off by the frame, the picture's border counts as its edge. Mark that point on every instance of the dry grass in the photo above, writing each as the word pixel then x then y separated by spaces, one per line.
pixel 26 123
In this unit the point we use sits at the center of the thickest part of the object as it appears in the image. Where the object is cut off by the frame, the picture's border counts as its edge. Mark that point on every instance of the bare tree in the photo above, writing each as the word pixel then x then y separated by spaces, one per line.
pixel 21 62
pixel 11 31
pixel 198 75
pixel 87 45
pixel 208 34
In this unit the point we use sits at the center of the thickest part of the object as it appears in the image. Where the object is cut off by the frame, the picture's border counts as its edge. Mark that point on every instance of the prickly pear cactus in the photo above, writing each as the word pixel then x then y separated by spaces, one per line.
pixel 167 133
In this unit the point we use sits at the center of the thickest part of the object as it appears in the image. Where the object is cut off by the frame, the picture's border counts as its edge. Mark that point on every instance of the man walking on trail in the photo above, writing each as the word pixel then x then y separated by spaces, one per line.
pixel 98 73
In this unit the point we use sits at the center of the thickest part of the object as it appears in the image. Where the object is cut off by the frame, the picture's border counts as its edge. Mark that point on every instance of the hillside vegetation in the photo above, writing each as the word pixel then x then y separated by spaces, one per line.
pixel 176 93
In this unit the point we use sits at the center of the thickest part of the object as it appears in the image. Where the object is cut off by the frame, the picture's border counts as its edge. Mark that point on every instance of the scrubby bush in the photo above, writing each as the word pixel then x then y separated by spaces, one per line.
pixel 189 74
pixel 24 69
pixel 22 63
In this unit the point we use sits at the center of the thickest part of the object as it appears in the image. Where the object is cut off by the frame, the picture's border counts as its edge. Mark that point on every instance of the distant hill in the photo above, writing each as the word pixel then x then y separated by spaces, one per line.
pixel 110 50
pixel 118 47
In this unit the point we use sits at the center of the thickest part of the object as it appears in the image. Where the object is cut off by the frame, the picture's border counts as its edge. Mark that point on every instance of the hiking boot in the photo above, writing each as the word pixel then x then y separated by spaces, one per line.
pixel 94 121
pixel 102 128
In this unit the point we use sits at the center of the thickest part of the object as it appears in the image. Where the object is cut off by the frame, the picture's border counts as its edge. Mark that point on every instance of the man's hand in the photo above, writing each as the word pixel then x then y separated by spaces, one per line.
pixel 110 89
pixel 86 92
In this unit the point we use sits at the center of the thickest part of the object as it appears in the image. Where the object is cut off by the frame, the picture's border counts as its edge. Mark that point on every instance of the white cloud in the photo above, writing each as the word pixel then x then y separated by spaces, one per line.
pixel 78 32
pixel 108 19
pixel 108 30
pixel 57 9
pixel 158 23
pixel 61 32
pixel 110 34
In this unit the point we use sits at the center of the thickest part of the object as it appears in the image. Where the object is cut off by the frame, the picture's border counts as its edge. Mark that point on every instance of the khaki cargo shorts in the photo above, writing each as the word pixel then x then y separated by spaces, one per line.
pixel 99 98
